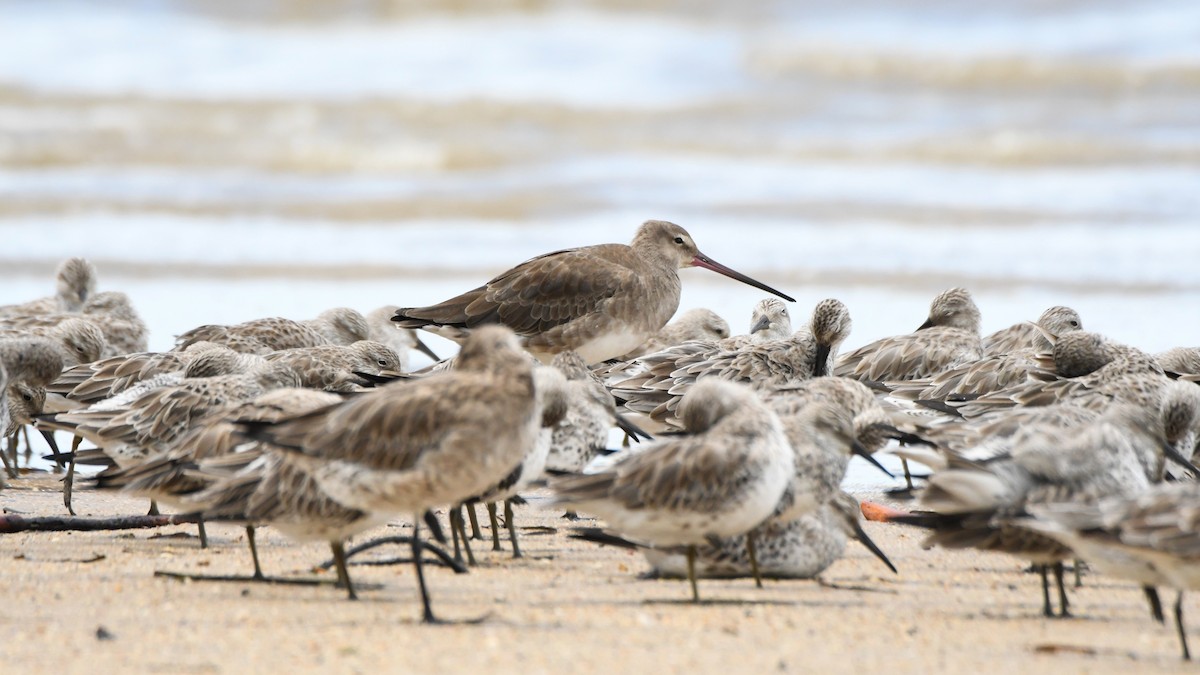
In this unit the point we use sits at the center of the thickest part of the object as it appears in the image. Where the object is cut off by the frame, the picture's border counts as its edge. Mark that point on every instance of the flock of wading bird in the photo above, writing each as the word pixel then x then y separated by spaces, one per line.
pixel 1045 441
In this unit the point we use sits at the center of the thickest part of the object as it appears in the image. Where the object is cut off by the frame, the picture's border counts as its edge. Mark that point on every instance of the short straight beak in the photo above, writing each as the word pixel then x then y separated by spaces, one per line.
pixel 708 263
pixel 763 323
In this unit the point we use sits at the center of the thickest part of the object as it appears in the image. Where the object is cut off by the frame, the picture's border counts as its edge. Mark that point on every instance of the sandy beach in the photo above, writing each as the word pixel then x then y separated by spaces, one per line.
pixel 90 602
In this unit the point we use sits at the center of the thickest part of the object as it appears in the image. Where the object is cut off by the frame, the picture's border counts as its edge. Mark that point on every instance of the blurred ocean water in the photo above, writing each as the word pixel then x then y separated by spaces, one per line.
pixel 226 160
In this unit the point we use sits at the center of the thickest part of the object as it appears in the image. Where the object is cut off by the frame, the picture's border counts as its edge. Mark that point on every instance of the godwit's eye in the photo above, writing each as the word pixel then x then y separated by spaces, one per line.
pixel 678 240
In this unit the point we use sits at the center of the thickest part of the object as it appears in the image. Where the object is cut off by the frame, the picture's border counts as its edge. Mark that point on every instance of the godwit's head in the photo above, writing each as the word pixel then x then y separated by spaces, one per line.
pixel 669 241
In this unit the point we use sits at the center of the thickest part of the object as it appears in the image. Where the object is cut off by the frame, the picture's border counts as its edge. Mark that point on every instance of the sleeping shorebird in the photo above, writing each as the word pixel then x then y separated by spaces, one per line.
pixel 110 311
pixel 799 548
pixel 1057 320
pixel 661 379
pixel 722 479
pixel 694 324
pixel 948 338
pixel 977 504
pixel 81 341
pixel 337 326
pixel 408 447
pixel 601 301
pixel 76 282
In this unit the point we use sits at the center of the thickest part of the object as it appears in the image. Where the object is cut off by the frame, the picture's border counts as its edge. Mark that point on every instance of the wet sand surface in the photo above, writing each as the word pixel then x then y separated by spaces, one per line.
pixel 90 602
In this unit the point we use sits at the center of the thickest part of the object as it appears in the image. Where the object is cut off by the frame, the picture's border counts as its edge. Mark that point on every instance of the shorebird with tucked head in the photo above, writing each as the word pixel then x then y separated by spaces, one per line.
pixel 405 448
pixel 601 301
pixel 722 479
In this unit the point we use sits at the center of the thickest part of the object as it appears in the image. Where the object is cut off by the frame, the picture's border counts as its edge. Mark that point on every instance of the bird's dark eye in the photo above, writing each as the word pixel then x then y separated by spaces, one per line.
pixel 382 362
pixel 1075 324
pixel 678 240
pixel 27 397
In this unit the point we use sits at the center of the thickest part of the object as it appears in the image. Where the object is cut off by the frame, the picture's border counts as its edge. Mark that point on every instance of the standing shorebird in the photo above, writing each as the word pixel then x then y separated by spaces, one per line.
pixel 1152 538
pixel 405 448
pixel 601 301
pixel 722 480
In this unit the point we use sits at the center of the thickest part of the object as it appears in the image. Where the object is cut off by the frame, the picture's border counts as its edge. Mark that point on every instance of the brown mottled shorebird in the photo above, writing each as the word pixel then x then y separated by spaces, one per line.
pixel 81 341
pixel 1010 355
pixel 722 479
pixel 401 340
pixel 405 448
pixel 151 424
pixel 948 338
pixel 550 386
pixel 339 326
pixel 34 360
pixel 215 470
pixel 76 282
pixel 973 505
pixel 32 363
pixel 582 435
pixel 770 320
pixel 1180 360
pixel 1089 371
pixel 665 376
pixel 341 368
pixel 601 301
pixel 800 548
pixel 1056 321
pixel 111 312
pixel 1152 538
pixel 694 324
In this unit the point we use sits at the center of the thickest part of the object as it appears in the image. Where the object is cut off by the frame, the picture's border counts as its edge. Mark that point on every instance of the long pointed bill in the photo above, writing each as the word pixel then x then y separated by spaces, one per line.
pixel 49 436
pixel 763 323
pixel 928 324
pixel 1172 454
pixel 904 437
pixel 708 263
pixel 821 364
pixel 857 449
pixel 424 348
pixel 861 535
pixel 635 432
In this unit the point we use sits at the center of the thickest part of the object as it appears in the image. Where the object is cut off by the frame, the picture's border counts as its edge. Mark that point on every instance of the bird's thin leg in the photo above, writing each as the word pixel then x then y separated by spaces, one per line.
pixel 907 475
pixel 428 616
pixel 339 558
pixel 8 465
pixel 458 529
pixel 511 523
pixel 1156 612
pixel 13 441
pixel 258 575
pixel 153 509
pixel 476 533
pixel 491 508
pixel 28 444
pixel 454 534
pixel 202 532
pixel 69 479
pixel 691 570
pixel 1187 654
pixel 1078 573
pixel 753 559
pixel 1064 607
pixel 1046 609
